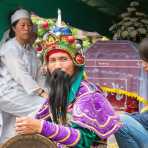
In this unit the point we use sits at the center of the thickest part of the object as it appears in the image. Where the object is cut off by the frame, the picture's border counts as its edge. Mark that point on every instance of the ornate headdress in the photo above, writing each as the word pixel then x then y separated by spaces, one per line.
pixel 60 39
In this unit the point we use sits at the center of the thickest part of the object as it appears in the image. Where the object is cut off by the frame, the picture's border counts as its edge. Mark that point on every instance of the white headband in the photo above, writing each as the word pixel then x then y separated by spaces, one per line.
pixel 21 13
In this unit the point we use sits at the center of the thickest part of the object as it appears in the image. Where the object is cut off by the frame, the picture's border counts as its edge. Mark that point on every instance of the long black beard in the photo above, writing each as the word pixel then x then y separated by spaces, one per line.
pixel 59 84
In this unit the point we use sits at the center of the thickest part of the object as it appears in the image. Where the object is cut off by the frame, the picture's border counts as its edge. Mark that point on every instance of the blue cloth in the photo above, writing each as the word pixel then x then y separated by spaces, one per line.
pixel 142 118
pixel 134 133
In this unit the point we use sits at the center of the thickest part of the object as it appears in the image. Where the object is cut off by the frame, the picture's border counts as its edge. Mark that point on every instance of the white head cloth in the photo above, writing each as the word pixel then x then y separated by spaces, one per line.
pixel 21 13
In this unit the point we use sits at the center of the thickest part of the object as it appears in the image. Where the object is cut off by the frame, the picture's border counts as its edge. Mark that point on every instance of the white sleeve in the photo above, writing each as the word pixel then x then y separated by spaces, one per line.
pixel 18 70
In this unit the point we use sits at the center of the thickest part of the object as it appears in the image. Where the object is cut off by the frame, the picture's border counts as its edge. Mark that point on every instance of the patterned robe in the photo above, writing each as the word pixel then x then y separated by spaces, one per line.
pixel 90 118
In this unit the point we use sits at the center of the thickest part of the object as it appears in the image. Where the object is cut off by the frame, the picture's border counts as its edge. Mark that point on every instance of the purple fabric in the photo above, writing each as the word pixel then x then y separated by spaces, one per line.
pixel 93 111
pixel 48 129
pixel 60 132
pixel 44 112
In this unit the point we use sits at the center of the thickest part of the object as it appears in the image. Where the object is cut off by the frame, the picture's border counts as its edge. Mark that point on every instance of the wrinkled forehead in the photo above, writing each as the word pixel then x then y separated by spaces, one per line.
pixel 24 21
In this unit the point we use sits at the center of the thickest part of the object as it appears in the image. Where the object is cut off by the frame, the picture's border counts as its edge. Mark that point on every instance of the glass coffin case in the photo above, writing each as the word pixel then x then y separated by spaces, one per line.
pixel 115 64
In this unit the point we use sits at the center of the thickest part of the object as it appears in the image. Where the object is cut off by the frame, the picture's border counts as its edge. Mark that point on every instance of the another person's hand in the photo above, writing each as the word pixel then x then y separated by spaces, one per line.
pixel 27 125
pixel 43 70
pixel 44 95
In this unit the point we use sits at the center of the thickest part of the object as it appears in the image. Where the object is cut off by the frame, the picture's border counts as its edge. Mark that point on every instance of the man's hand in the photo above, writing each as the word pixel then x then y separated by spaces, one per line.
pixel 27 125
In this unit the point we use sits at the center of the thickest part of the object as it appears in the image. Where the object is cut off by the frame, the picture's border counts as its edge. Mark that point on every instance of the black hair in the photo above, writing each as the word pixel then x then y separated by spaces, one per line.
pixel 11 32
pixel 143 49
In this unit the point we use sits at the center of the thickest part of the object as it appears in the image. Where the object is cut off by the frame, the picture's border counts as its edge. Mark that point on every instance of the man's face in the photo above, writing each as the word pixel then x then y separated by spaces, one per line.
pixel 145 65
pixel 61 60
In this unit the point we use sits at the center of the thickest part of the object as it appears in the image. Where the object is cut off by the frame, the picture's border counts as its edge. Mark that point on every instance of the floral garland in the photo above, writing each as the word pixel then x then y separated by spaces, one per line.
pixel 122 92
